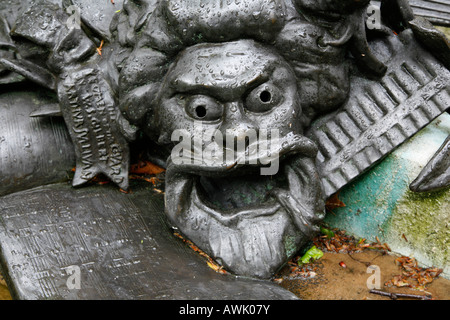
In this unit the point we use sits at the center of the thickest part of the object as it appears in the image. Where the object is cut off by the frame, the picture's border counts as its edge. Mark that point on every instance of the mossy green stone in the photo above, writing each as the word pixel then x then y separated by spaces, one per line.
pixel 380 204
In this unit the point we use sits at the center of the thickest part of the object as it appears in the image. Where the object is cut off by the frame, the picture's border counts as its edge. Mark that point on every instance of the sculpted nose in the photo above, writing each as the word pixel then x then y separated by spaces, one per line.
pixel 236 126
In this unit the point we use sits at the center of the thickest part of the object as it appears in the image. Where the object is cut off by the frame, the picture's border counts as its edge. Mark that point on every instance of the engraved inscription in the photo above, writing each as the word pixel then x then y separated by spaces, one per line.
pixel 90 111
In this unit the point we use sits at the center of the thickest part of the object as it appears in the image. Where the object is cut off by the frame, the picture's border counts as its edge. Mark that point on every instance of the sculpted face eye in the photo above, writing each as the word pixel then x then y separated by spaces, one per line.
pixel 264 98
pixel 203 108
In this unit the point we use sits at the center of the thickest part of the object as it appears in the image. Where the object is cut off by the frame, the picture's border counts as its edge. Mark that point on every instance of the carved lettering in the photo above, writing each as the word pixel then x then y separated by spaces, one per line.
pixel 90 111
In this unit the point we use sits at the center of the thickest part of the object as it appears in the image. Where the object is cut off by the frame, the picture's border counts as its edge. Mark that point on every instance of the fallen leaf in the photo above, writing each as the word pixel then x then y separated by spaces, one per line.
pixel 333 202
pixel 213 266
pixel 398 281
pixel 328 233
pixel 99 49
pixel 412 272
pixel 146 167
pixel 311 255
pixel 210 262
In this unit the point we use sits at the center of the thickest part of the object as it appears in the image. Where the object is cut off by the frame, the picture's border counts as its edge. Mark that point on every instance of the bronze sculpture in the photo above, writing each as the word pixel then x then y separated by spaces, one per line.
pixel 241 69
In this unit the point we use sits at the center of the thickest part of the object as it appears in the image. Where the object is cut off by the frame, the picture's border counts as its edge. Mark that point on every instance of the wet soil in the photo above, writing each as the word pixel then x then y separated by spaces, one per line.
pixel 335 282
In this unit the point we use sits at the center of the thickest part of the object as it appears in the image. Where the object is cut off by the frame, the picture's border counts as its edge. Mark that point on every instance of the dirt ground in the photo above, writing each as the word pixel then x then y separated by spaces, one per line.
pixel 334 282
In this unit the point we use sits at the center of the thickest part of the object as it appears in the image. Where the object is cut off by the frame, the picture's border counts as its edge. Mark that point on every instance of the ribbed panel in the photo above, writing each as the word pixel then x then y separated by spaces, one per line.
pixel 381 115
pixel 436 11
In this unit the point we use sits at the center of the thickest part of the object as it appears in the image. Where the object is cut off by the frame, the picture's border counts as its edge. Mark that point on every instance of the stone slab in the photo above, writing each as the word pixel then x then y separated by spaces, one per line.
pixel 120 245
pixel 380 203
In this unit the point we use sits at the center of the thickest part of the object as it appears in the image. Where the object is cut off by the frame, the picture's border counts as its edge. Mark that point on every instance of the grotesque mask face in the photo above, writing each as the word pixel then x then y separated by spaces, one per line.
pixel 236 109
pixel 235 87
